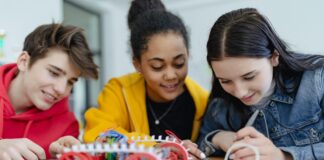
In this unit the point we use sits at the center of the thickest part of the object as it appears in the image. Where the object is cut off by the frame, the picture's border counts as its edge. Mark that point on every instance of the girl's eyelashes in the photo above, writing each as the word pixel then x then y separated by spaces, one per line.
pixel 179 65
pixel 245 78
pixel 157 68
pixel 249 77
pixel 224 81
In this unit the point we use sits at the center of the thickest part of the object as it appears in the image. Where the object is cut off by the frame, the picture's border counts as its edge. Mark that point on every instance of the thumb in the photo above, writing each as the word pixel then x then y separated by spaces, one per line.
pixel 55 148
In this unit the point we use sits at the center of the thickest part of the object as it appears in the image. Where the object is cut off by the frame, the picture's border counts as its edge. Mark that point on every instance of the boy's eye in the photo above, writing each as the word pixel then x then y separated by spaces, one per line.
pixel 71 83
pixel 53 73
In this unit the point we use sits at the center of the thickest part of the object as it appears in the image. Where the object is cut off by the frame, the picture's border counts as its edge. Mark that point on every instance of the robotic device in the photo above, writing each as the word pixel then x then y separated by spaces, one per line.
pixel 113 145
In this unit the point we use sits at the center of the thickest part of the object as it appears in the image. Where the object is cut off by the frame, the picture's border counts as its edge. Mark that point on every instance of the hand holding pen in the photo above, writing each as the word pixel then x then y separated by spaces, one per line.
pixel 225 139
pixel 250 136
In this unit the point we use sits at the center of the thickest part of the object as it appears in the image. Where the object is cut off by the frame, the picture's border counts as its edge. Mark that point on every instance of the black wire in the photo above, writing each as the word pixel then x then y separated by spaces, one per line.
pixel 312 147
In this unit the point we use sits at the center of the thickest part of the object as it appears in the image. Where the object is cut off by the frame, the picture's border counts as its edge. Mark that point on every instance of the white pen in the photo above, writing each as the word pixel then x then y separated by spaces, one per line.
pixel 252 118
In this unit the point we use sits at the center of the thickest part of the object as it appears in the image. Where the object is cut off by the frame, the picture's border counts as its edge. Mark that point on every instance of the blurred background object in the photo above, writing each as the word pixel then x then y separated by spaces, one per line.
pixel 2 39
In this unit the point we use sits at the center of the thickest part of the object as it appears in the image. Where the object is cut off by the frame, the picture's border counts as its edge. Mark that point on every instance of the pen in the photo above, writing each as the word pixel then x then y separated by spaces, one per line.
pixel 252 118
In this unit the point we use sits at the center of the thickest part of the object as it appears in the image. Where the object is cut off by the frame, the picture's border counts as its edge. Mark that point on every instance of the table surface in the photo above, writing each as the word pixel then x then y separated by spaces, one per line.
pixel 215 158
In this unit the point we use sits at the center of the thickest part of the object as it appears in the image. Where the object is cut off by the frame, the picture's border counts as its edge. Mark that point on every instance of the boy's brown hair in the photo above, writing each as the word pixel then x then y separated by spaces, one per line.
pixel 69 39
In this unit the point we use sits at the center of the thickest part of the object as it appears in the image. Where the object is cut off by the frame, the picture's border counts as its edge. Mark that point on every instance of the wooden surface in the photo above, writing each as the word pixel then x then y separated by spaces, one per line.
pixel 215 158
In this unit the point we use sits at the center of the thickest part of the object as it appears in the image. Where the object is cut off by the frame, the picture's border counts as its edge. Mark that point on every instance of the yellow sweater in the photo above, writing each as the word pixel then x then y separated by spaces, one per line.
pixel 122 107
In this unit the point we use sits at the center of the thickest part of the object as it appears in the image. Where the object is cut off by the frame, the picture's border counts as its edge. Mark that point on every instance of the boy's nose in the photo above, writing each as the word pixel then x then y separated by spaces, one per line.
pixel 60 87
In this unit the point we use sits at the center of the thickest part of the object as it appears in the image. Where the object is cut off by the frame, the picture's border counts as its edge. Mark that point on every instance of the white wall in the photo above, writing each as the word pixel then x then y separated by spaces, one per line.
pixel 20 17
pixel 300 23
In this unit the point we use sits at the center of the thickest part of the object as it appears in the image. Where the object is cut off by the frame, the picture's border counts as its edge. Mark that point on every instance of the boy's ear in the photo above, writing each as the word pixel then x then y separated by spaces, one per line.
pixel 23 61
pixel 137 65
pixel 275 58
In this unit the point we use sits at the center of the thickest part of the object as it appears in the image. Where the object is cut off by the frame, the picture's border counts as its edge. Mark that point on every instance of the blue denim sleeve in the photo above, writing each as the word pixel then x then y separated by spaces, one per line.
pixel 306 151
pixel 321 87
pixel 212 124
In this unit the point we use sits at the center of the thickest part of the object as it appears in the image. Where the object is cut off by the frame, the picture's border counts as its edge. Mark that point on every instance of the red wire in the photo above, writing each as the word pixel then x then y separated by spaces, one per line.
pixel 171 134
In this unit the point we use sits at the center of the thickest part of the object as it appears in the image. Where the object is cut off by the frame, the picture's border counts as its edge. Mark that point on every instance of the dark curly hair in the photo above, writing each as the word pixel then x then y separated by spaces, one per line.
pixel 149 17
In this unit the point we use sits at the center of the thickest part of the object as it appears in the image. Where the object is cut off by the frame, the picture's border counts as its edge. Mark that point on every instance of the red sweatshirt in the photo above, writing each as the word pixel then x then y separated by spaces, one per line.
pixel 42 127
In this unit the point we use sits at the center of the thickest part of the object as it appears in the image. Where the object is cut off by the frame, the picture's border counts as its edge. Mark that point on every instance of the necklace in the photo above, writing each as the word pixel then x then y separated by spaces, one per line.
pixel 157 119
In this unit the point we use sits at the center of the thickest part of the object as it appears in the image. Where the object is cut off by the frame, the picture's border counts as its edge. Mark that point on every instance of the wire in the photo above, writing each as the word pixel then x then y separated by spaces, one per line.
pixel 240 145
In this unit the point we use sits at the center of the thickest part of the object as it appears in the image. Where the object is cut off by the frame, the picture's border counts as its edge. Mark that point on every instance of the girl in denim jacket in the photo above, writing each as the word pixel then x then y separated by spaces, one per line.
pixel 257 79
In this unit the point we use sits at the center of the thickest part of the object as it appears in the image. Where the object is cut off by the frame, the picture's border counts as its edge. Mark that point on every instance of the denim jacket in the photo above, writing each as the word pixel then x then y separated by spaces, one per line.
pixel 294 124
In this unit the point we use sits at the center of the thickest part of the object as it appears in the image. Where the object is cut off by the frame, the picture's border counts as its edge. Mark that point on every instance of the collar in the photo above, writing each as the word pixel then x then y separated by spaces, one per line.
pixel 279 96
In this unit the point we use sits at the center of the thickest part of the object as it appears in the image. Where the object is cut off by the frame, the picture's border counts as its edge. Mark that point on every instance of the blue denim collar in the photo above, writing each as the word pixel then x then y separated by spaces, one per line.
pixel 279 96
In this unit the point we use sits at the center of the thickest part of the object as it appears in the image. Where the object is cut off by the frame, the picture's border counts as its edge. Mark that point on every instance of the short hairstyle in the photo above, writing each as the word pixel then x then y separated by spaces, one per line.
pixel 69 39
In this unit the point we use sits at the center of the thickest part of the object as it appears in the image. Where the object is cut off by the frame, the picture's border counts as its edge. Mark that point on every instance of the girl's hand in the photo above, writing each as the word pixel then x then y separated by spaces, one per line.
pixel 224 139
pixel 193 149
pixel 57 146
pixel 267 150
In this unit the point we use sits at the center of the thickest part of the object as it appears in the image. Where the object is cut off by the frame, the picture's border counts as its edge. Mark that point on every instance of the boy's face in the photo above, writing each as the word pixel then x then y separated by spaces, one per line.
pixel 49 79
pixel 247 79
pixel 164 66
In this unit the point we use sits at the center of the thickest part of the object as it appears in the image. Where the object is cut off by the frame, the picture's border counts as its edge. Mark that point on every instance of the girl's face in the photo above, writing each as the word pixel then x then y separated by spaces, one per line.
pixel 247 79
pixel 48 80
pixel 164 66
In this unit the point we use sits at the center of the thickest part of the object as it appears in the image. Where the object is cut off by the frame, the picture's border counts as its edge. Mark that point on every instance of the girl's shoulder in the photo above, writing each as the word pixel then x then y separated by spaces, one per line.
pixel 316 75
pixel 319 79
pixel 313 80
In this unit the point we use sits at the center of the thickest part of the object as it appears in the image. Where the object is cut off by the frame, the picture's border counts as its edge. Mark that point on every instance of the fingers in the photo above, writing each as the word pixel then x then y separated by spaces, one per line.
pixel 5 155
pixel 248 132
pixel 20 149
pixel 55 148
pixel 188 143
pixel 28 154
pixel 193 149
pixel 243 153
pixel 68 141
pixel 58 146
pixel 34 148
pixel 13 154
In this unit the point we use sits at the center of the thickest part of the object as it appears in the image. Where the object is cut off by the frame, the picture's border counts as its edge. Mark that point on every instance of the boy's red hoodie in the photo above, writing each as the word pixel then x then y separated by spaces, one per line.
pixel 41 127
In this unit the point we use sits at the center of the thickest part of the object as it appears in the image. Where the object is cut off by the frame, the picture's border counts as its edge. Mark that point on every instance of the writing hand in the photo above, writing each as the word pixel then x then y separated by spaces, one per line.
pixel 267 150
